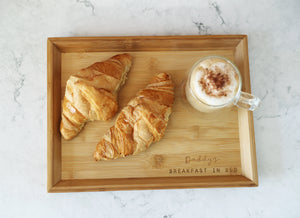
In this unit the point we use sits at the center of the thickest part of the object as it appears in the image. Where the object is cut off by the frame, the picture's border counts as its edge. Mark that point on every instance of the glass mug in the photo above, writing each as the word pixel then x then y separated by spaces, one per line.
pixel 214 83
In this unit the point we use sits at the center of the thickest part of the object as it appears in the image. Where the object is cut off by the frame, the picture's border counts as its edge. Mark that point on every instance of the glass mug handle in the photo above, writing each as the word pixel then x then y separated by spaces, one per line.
pixel 247 101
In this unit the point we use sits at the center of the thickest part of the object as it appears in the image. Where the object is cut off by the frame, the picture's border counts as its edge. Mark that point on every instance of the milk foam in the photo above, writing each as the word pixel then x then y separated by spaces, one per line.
pixel 215 96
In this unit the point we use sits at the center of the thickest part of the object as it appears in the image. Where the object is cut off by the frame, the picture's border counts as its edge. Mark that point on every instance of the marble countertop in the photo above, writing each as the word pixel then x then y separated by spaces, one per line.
pixel 274 51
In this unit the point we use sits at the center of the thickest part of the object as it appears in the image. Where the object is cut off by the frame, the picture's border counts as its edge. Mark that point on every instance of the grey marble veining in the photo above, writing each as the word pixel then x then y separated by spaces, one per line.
pixel 274 51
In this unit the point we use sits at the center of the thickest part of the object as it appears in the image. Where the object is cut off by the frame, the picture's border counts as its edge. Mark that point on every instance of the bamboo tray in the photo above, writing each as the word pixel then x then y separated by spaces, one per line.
pixel 198 149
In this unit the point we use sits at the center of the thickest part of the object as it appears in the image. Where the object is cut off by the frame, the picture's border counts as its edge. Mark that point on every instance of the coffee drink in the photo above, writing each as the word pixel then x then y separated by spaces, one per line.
pixel 213 83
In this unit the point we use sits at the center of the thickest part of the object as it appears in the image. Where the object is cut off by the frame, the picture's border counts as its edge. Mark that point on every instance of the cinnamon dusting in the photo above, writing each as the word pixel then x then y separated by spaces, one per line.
pixel 214 80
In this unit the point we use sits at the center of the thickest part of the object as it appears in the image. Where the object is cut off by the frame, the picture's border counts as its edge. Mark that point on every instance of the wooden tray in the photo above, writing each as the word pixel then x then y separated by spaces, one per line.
pixel 198 149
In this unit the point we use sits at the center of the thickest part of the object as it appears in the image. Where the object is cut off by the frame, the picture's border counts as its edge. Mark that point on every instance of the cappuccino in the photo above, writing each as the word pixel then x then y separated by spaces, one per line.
pixel 213 83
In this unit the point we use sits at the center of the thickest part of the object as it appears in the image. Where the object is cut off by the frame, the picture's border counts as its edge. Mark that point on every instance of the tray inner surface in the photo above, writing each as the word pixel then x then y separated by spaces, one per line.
pixel 195 144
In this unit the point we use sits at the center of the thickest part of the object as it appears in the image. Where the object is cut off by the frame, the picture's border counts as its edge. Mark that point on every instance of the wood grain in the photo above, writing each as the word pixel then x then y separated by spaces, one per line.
pixel 247 137
pixel 146 43
pixel 224 140
pixel 151 183
pixel 53 115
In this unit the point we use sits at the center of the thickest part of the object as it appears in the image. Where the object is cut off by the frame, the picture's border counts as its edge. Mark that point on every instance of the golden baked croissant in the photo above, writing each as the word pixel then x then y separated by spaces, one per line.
pixel 141 122
pixel 91 94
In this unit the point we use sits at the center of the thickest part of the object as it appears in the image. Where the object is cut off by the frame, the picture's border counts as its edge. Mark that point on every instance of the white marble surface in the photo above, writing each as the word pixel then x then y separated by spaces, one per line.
pixel 274 52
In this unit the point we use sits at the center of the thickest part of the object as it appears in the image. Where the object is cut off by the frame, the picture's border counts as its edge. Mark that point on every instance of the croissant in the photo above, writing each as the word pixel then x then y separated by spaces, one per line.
pixel 140 123
pixel 91 94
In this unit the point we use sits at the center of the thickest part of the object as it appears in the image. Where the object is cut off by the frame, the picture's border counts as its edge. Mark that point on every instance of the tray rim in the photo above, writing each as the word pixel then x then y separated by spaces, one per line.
pixel 57 45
